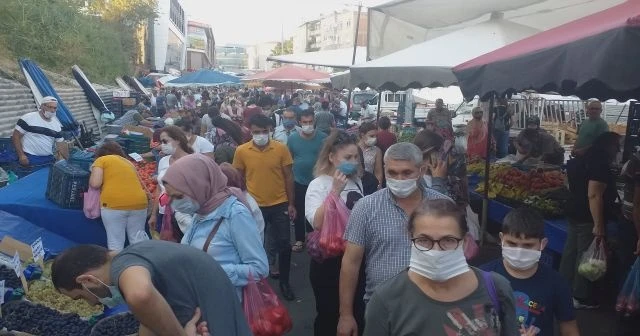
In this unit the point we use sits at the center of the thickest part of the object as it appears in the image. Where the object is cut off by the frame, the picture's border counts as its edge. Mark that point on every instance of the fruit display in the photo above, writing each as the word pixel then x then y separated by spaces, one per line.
pixel 39 320
pixel 544 205
pixel 147 171
pixel 43 292
pixel 9 276
pixel 513 183
pixel 117 325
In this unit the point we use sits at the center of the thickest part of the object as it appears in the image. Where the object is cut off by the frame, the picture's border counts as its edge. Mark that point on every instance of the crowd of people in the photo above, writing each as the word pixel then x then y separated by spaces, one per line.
pixel 238 168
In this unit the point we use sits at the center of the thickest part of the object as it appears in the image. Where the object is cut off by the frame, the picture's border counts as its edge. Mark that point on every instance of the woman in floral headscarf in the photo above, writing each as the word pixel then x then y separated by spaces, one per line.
pixel 222 224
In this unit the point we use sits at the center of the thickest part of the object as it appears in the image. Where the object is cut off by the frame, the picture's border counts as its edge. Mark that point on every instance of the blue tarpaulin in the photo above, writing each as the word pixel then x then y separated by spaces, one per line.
pixel 88 89
pixel 204 77
pixel 45 88
pixel 27 232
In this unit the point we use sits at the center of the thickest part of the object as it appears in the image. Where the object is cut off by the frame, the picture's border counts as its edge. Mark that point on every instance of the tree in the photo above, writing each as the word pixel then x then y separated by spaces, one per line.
pixel 130 13
pixel 279 50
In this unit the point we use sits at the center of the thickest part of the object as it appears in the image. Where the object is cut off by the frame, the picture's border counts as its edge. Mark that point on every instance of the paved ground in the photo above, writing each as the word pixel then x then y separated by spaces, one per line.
pixel 591 323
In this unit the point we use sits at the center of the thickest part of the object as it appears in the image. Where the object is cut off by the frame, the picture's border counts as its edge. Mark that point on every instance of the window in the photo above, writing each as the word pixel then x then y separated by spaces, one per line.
pixel 176 15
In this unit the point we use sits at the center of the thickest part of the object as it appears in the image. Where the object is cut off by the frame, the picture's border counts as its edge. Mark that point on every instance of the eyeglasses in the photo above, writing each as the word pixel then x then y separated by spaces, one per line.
pixel 447 243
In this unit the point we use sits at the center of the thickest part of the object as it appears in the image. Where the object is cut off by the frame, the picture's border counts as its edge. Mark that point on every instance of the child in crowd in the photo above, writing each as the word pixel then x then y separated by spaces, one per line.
pixel 541 294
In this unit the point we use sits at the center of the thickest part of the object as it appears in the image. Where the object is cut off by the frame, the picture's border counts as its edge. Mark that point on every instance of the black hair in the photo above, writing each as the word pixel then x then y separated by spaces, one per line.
pixel 185 125
pixel 325 105
pixel 605 141
pixel 384 123
pixel 523 222
pixel 306 113
pixel 213 111
pixel 265 101
pixel 426 139
pixel 439 208
pixel 260 120
pixel 74 262
pixel 230 127
pixel 367 127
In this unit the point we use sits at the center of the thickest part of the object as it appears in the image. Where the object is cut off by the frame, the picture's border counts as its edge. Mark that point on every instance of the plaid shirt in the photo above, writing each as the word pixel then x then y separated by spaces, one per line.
pixel 379 225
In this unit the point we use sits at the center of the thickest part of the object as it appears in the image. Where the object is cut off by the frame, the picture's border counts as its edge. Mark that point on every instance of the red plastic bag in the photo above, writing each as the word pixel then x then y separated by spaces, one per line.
pixel 267 316
pixel 593 264
pixel 628 302
pixel 336 216
pixel 313 246
pixel 166 231
pixel 91 203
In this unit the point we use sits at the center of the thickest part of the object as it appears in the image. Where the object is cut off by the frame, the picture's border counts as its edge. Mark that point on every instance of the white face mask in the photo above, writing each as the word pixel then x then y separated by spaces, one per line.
pixel 520 258
pixel 438 265
pixel 402 188
pixel 168 149
pixel 185 205
pixel 307 129
pixel 371 141
pixel 49 114
pixel 261 139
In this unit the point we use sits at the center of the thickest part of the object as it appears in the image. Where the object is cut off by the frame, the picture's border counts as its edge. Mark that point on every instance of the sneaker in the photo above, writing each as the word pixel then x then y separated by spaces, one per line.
pixel 584 304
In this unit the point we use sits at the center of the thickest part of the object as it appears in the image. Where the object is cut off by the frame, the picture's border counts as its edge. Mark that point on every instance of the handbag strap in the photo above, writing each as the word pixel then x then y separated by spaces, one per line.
pixel 491 289
pixel 212 234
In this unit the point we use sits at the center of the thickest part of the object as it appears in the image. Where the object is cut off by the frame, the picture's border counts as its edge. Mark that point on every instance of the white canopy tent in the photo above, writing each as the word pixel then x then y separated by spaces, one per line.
pixel 398 24
pixel 429 63
pixel 337 58
pixel 340 80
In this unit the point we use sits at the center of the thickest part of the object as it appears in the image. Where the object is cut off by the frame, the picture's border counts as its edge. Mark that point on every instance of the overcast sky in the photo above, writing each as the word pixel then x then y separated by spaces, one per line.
pixel 253 21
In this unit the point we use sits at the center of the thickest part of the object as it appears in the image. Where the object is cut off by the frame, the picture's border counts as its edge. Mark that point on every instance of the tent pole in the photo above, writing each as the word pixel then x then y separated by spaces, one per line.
pixel 378 109
pixel 487 168
pixel 353 57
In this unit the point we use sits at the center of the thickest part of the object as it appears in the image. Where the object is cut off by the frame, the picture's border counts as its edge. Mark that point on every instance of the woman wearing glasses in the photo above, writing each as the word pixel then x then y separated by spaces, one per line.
pixel 440 294
pixel 174 145
pixel 338 170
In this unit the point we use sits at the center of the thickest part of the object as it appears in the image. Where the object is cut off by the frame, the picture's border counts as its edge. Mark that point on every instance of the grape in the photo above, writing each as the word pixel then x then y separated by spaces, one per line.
pixel 117 325
pixel 43 292
pixel 41 321
pixel 9 276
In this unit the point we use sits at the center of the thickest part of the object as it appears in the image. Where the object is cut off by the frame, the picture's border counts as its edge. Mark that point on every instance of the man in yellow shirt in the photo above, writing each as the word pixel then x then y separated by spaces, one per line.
pixel 266 167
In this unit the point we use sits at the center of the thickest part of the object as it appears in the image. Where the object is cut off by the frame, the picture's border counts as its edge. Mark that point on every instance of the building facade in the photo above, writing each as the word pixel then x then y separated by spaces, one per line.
pixel 335 30
pixel 165 41
pixel 232 57
pixel 257 56
pixel 201 46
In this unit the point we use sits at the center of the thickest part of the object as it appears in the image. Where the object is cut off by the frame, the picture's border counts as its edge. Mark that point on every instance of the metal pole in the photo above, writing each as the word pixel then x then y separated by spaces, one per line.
pixel 353 57
pixel 487 168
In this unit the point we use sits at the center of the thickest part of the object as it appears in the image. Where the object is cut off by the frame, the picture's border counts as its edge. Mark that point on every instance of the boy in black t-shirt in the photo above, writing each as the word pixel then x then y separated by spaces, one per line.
pixel 541 294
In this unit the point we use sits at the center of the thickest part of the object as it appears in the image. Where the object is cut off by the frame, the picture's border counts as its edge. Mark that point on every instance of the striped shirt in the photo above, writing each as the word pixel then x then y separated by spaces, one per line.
pixel 379 225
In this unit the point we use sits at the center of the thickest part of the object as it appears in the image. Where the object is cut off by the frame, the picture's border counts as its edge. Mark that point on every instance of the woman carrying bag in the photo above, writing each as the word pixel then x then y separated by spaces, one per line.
pixel 222 224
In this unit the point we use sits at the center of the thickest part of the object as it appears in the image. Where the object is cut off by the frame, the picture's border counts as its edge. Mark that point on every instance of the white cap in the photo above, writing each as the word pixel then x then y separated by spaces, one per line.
pixel 49 99
pixel 169 121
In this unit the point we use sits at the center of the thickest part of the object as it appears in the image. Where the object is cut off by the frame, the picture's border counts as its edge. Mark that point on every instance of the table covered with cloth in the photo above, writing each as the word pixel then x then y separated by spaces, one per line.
pixel 26 198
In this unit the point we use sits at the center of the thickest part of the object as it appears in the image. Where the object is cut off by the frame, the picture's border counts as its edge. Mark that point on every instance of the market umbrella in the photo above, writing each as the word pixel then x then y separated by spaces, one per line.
pixel 430 63
pixel 289 73
pixel 204 77
pixel 595 56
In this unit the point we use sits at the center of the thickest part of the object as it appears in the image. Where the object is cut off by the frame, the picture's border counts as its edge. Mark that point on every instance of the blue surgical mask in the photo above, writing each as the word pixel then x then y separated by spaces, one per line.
pixel 288 123
pixel 114 300
pixel 347 167
pixel 185 205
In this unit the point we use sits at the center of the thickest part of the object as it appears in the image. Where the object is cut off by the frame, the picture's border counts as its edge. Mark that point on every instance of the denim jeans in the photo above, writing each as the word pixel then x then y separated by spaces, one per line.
pixel 579 237
pixel 278 237
pixel 502 143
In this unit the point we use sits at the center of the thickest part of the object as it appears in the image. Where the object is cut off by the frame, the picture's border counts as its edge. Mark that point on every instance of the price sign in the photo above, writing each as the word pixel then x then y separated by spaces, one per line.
pixel 136 157
pixel 37 250
pixel 17 265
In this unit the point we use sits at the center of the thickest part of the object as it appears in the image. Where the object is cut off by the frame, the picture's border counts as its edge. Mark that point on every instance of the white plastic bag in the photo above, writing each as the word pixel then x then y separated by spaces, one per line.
pixel 473 223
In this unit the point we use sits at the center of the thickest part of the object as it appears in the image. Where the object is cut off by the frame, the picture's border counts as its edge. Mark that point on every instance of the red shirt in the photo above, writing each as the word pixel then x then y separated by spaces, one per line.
pixel 385 140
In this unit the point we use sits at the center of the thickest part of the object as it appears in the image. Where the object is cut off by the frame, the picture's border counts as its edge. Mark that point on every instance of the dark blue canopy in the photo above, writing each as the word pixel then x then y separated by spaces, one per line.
pixel 204 77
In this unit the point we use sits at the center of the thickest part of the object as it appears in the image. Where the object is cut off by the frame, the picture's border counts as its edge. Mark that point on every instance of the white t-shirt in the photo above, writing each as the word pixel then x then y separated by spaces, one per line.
pixel 343 108
pixel 39 134
pixel 320 188
pixel 202 145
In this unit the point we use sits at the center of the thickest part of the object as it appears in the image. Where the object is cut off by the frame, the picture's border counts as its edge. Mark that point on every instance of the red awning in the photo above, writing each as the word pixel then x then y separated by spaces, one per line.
pixel 595 56
pixel 614 17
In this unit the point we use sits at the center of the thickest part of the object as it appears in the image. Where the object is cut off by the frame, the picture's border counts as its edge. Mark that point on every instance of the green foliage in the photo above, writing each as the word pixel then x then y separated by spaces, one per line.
pixel 288 48
pixel 60 33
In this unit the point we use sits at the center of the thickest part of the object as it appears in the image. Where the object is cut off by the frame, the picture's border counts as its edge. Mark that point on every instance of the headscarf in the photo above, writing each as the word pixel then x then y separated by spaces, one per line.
pixel 234 179
pixel 48 99
pixel 200 178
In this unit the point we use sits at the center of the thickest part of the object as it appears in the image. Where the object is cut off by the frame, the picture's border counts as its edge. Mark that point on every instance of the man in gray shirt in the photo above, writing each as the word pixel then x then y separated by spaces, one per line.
pixel 169 287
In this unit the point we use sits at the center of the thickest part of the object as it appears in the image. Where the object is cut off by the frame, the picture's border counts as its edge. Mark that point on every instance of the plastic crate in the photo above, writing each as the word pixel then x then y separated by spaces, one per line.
pixel 82 159
pixel 66 185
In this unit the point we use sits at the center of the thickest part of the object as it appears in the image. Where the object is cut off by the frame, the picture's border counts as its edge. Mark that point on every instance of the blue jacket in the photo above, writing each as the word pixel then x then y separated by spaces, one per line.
pixel 236 246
